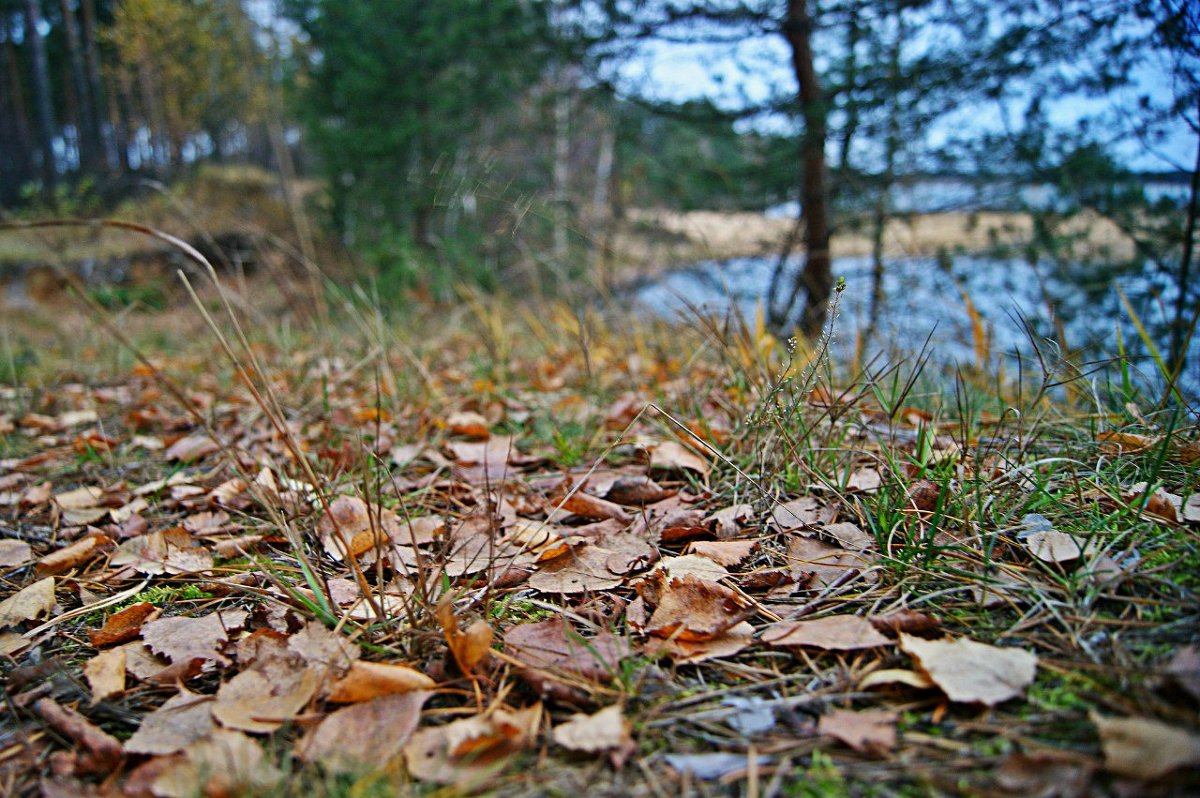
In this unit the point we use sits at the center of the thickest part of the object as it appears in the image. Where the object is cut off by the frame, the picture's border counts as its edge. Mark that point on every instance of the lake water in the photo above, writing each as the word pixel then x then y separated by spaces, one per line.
pixel 927 299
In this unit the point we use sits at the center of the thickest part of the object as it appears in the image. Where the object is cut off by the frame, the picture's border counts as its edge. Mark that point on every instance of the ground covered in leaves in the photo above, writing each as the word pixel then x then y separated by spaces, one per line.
pixel 492 549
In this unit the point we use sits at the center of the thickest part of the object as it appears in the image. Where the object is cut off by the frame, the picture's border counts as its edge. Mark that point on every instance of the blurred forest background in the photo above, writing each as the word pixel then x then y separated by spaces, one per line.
pixel 523 144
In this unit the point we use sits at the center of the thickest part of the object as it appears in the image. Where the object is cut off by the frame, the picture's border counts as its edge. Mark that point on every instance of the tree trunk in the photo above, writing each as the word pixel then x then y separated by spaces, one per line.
pixel 816 278
pixel 562 169
pixel 17 158
pixel 109 141
pixel 1181 329
pixel 42 98
pixel 88 129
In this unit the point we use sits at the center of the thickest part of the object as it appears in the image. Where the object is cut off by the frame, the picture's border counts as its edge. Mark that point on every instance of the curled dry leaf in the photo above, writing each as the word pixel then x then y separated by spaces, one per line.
pixel 637 490
pixel 28 603
pixel 805 511
pixel 78 553
pixel 468 423
pixel 1145 749
pixel 468 751
pixel 871 731
pixel 170 551
pixel 184 719
pixel 606 730
pixel 324 648
pixel 834 633
pixel 367 735
pixel 1191 509
pixel 684 652
pixel 100 750
pixel 551 650
pixel 911 621
pixel 470 646
pixel 728 521
pixel 894 676
pixel 367 680
pixel 581 569
pixel 1184 668
pixel 850 536
pixel 694 609
pixel 972 672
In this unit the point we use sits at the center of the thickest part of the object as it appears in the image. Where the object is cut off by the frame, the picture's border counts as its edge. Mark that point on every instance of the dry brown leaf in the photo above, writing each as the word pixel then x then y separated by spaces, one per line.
pixel 123 626
pixel 871 731
pixel 105 673
pixel 637 491
pixel 891 676
pixel 351 528
pixel 723 552
pixel 14 552
pixel 552 646
pixel 1045 774
pixel 805 511
pixel 582 569
pixel 834 633
pixel 226 764
pixel 972 672
pixel 1191 509
pixel 324 648
pixel 729 521
pixel 264 698
pixel 170 551
pixel 468 423
pixel 606 730
pixel 181 639
pixel 79 498
pixel 28 603
pixel 694 609
pixel 911 621
pixel 825 564
pixel 685 652
pixel 1184 668
pixel 185 718
pixel 469 751
pixel 850 536
pixel 674 456
pixel 367 735
pixel 1142 748
pixel 190 448
pixel 141 662
pixel 864 480
pixel 694 565
pixel 367 680
pixel 1053 546
pixel 74 555
pixel 470 646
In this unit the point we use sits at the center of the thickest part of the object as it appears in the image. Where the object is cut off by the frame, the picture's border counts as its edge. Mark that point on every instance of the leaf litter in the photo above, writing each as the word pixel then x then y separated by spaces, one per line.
pixel 438 589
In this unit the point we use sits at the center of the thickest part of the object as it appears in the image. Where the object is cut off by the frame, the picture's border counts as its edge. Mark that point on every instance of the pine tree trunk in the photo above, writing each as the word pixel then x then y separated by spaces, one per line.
pixel 17 160
pixel 42 98
pixel 88 130
pixel 816 278
pixel 109 141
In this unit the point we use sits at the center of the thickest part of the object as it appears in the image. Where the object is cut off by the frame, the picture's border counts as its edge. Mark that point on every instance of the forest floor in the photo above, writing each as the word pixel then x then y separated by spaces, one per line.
pixel 509 549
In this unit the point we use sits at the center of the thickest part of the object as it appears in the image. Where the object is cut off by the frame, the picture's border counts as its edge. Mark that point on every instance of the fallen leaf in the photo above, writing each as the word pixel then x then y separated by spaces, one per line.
pixel 227 763
pixel 824 564
pixel 468 423
pixel 185 718
pixel 850 536
pixel 81 551
pixel 181 639
pixel 1045 774
pixel 729 521
pixel 105 673
pixel 190 448
pixel 14 552
pixel 673 456
pixel 1184 668
pixel 723 552
pixel 805 511
pixel 79 498
pixel 694 609
pixel 971 672
pixel 1191 509
pixel 911 621
pixel 637 491
pixel 28 603
pixel 470 646
pixel 687 652
pixel 582 569
pixel 834 633
pixel 871 731
pixel 367 680
pixel 263 698
pixel 170 551
pixel 753 715
pixel 121 627
pixel 864 480
pixel 367 735
pixel 1141 748
pixel 695 565
pixel 469 751
pixel 606 730
pixel 553 653
pixel 324 648
pixel 892 676
pixel 1053 546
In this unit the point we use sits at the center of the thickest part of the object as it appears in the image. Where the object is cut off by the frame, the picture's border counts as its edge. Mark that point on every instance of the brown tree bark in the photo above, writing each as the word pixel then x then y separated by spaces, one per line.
pixel 816 278
pixel 16 159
